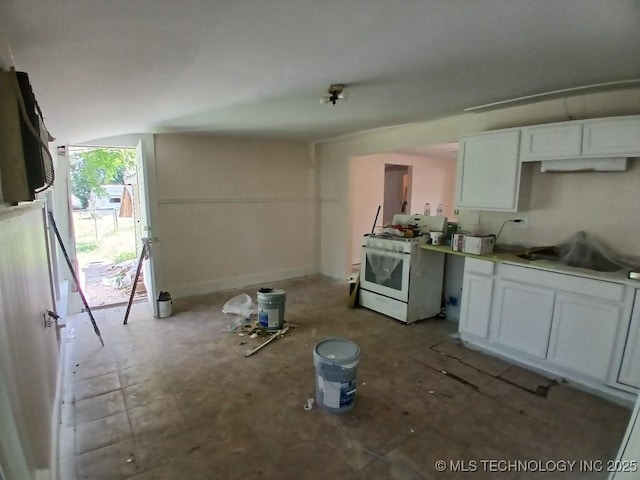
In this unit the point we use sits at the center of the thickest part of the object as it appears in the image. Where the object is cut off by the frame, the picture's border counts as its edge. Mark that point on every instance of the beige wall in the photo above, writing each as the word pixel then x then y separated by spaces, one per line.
pixel 555 198
pixel 433 180
pixel 234 211
pixel 5 54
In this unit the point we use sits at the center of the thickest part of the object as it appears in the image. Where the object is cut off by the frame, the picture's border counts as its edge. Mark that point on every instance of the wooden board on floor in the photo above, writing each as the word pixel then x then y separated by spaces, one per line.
pixel 353 295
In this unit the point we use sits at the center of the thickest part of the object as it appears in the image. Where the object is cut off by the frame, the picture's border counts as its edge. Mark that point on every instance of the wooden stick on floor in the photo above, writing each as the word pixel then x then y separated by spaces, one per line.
pixel 279 333
pixel 135 282
pixel 75 277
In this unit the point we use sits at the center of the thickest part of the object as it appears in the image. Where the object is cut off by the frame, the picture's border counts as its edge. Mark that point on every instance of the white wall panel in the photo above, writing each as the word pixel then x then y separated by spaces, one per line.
pixel 28 350
pixel 234 211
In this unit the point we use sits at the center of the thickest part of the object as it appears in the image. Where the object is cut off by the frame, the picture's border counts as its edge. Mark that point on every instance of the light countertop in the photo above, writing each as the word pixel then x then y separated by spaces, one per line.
pixel 511 258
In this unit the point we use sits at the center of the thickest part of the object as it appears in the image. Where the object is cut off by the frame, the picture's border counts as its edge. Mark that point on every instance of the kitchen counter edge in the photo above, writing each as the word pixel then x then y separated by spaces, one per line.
pixel 511 258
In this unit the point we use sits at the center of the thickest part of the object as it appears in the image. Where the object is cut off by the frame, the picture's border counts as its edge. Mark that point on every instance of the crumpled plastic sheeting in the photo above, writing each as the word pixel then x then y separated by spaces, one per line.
pixel 240 305
pixel 584 252
pixel 382 266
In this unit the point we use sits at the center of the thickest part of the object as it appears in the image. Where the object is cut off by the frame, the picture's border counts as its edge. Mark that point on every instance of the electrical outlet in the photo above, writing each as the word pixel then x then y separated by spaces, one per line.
pixel 523 223
pixel 475 220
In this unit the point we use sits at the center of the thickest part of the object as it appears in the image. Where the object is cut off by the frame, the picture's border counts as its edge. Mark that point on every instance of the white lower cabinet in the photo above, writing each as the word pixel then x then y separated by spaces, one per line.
pixel 582 329
pixel 629 373
pixel 523 315
pixel 475 309
pixel 583 335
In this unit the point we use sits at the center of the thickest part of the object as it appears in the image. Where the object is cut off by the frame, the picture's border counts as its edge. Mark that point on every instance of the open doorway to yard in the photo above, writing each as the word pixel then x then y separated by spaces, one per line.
pixel 105 213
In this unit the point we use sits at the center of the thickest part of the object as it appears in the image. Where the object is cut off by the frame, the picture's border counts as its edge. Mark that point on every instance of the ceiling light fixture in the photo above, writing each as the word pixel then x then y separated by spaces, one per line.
pixel 565 92
pixel 336 92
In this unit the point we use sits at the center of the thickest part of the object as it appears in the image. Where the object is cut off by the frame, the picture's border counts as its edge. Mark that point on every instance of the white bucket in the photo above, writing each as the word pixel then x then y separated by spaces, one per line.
pixel 164 308
pixel 336 361
pixel 271 308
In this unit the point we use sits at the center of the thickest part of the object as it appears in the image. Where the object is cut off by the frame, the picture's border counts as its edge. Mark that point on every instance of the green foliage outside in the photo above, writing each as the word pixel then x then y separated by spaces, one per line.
pixel 83 247
pixel 123 256
pixel 90 169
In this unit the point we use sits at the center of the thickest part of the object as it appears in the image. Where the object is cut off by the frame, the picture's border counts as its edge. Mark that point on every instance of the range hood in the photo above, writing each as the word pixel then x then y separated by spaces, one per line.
pixel 616 164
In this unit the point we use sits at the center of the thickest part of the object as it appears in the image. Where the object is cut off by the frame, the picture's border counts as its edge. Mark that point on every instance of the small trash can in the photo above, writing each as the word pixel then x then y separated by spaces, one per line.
pixel 164 305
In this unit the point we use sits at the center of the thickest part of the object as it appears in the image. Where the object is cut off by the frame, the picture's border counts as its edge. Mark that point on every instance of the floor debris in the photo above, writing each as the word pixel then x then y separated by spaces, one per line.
pixel 539 390
pixel 309 404
pixel 279 333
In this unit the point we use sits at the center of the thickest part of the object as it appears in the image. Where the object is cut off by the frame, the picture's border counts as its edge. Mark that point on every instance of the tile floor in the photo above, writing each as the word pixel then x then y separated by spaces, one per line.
pixel 176 398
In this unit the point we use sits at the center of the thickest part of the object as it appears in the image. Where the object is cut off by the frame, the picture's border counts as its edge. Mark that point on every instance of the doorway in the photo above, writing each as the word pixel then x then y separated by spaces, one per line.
pixel 397 191
pixel 105 214
pixel 379 180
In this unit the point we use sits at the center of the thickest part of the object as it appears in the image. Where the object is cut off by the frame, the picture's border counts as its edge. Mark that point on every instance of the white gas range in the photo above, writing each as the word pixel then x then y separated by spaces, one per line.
pixel 397 277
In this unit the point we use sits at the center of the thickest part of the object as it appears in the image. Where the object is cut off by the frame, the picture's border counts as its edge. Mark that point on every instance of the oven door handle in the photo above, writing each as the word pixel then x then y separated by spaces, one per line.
pixel 386 253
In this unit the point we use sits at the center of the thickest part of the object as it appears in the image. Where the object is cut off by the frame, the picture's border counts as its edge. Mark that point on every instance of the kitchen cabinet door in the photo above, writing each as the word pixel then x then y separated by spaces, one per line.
pixel 612 136
pixel 551 142
pixel 583 334
pixel 630 369
pixel 522 314
pixel 488 176
pixel 475 309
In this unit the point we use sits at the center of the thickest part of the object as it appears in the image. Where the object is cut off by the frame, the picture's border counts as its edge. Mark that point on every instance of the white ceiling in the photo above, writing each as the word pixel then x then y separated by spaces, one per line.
pixel 102 68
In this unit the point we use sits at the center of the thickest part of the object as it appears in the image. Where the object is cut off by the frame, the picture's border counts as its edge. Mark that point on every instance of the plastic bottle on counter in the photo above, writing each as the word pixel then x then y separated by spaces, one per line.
pixel 439 210
pixel 427 209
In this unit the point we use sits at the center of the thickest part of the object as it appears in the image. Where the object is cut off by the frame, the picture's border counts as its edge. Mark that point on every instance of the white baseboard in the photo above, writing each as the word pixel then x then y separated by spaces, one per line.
pixel 227 283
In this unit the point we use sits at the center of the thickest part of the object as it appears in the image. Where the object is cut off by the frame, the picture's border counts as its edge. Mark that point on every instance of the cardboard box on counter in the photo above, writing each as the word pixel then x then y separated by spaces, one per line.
pixel 478 245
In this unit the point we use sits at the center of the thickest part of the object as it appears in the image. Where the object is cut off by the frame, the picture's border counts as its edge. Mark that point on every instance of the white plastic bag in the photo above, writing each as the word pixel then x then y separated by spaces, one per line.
pixel 241 305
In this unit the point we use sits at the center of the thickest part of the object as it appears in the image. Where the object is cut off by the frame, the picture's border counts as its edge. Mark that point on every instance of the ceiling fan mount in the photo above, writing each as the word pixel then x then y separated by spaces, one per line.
pixel 335 92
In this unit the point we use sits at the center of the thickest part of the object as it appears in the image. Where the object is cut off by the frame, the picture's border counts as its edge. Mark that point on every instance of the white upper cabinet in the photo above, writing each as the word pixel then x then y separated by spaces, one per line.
pixel 549 142
pixel 490 163
pixel 612 136
pixel 488 175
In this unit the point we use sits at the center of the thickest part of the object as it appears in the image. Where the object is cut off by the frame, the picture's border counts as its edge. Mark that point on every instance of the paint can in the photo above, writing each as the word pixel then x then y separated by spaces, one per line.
pixel 336 361
pixel 164 305
pixel 271 308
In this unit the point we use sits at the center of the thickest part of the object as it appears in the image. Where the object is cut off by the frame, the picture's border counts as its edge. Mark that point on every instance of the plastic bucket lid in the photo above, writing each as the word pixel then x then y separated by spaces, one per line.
pixel 336 351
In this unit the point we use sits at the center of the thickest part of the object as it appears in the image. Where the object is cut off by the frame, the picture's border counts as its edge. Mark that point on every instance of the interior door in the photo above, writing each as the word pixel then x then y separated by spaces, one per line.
pixel 145 229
